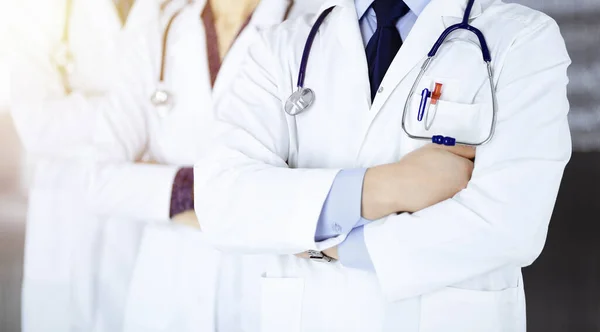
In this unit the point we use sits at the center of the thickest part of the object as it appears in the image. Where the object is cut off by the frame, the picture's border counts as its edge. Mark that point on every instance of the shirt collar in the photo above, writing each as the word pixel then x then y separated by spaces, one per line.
pixel 416 6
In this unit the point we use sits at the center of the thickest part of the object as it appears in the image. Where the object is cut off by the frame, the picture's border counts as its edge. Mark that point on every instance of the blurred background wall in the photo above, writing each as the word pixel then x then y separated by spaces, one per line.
pixel 12 201
pixel 563 286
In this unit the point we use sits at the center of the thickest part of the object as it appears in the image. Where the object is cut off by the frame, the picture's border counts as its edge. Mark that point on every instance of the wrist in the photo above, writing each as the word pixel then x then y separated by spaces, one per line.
pixel 379 197
pixel 182 192
pixel 403 187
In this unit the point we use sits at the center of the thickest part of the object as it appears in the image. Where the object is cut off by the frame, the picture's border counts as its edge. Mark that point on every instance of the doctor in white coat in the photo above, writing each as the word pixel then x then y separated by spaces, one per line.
pixel 423 244
pixel 144 146
pixel 65 61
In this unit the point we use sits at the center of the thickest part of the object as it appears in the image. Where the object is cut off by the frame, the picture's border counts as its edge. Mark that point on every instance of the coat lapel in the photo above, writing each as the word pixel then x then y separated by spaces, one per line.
pixel 98 9
pixel 266 14
pixel 348 33
pixel 143 12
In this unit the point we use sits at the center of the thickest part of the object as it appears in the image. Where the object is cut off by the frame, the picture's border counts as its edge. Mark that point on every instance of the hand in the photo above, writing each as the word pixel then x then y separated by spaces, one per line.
pixel 420 179
pixel 147 162
pixel 332 252
pixel 187 218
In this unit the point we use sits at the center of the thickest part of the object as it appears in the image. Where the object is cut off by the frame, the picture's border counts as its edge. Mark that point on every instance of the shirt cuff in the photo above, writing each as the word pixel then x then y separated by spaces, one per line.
pixel 353 252
pixel 182 194
pixel 342 208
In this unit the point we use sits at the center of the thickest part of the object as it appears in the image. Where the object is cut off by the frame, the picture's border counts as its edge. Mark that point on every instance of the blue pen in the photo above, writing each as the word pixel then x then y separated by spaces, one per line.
pixel 425 94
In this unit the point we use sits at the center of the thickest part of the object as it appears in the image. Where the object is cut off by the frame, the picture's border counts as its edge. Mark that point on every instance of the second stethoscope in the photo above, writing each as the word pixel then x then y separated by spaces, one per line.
pixel 162 98
pixel 62 56
pixel 303 97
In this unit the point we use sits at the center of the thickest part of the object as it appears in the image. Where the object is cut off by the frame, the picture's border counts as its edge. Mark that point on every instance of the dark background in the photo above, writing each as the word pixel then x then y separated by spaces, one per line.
pixel 563 285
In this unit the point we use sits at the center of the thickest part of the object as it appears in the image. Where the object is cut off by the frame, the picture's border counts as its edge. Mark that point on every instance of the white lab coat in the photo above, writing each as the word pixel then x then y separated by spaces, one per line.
pixel 63 236
pixel 452 267
pixel 174 283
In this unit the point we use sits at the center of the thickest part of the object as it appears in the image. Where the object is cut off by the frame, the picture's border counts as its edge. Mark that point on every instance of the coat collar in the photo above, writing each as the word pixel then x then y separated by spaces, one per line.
pixel 266 14
pixel 270 12
pixel 416 6
pixel 444 8
pixel 423 35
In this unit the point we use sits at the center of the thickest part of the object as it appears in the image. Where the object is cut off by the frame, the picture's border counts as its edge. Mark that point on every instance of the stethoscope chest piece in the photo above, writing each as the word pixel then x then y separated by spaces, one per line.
pixel 299 101
pixel 63 58
pixel 163 101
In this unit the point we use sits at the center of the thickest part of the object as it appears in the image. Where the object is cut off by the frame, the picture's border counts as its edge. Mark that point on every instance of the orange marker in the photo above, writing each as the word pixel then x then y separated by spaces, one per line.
pixel 437 93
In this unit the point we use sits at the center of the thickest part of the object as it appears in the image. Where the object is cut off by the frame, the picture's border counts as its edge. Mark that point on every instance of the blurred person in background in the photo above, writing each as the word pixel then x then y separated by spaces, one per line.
pixel 65 55
pixel 150 129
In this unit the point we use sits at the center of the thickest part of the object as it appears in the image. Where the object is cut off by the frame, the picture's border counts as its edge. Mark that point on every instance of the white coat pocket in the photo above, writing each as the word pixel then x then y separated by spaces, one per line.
pixel 281 304
pixel 462 310
pixel 465 122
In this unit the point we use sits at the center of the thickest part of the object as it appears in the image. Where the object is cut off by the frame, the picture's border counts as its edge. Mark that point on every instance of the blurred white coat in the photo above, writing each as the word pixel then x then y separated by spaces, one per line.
pixel 64 237
pixel 179 280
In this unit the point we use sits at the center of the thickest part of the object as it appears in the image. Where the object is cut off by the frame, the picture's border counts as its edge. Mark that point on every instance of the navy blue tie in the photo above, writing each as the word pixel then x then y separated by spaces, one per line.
pixel 385 43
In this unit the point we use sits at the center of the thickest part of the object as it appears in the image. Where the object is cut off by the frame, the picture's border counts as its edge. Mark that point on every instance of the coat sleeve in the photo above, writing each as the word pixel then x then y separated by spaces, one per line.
pixel 107 133
pixel 500 220
pixel 121 185
pixel 246 197
pixel 50 123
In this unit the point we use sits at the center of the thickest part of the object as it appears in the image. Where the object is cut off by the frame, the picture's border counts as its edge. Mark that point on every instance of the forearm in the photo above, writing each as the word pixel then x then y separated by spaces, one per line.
pixel 50 122
pixel 481 230
pixel 56 128
pixel 501 218
pixel 132 191
pixel 378 199
pixel 253 206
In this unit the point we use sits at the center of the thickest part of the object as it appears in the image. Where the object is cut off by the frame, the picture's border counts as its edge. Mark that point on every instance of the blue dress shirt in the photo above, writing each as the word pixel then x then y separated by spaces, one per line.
pixel 341 213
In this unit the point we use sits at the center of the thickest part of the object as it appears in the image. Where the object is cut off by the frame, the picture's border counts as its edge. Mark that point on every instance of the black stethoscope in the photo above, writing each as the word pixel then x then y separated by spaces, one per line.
pixel 303 97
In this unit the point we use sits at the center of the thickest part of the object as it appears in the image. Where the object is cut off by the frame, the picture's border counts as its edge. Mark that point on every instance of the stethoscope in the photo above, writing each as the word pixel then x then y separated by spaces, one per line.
pixel 162 99
pixel 303 97
pixel 62 56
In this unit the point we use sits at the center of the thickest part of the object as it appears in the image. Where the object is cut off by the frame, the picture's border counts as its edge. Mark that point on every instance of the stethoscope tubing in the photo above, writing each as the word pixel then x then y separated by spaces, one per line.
pixel 308 45
pixel 66 33
pixel 166 34
pixel 164 46
pixel 64 50
pixel 464 25
pixel 413 89
pixel 487 58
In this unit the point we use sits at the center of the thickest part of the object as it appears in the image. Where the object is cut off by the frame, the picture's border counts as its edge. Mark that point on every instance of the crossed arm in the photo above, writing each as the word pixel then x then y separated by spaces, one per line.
pixel 244 190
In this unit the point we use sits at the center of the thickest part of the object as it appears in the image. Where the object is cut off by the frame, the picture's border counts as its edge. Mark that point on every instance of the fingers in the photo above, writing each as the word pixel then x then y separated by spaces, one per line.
pixel 303 255
pixel 459 150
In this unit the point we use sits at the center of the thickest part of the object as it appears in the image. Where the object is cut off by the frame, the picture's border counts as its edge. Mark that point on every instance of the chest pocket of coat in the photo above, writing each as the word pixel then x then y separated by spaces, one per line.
pixel 455 115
